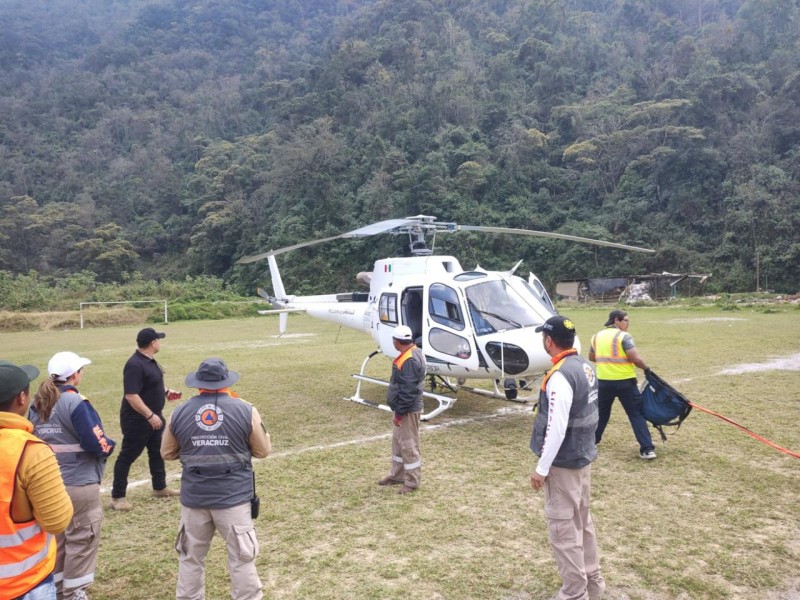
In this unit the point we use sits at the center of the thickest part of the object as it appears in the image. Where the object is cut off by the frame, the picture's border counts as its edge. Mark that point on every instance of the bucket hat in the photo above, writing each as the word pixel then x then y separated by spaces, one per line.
pixel 212 374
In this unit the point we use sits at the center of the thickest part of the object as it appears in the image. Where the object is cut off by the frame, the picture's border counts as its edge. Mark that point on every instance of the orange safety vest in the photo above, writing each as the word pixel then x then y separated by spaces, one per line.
pixel 613 363
pixel 27 552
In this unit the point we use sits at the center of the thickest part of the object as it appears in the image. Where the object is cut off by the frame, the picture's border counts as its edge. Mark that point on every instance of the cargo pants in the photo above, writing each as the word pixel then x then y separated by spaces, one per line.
pixel 406 464
pixel 195 532
pixel 567 493
pixel 77 546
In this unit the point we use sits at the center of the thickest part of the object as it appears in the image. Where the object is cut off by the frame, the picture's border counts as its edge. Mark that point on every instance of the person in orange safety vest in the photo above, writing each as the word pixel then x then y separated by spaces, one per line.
pixel 405 399
pixel 34 505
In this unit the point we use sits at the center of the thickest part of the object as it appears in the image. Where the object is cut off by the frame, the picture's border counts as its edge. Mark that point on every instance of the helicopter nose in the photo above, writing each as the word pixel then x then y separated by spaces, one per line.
pixel 511 358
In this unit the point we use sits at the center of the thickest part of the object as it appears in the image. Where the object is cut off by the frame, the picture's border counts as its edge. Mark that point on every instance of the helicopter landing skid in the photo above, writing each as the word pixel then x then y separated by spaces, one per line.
pixel 496 393
pixel 445 402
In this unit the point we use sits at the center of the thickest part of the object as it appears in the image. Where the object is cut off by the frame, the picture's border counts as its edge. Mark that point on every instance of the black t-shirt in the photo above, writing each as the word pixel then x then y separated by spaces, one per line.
pixel 143 376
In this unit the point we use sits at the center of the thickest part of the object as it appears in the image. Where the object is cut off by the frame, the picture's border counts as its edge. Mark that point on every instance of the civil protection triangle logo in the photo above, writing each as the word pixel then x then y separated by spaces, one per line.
pixel 209 417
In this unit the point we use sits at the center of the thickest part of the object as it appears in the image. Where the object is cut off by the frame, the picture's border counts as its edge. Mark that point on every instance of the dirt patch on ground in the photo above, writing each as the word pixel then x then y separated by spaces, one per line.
pixel 789 363
pixel 793 593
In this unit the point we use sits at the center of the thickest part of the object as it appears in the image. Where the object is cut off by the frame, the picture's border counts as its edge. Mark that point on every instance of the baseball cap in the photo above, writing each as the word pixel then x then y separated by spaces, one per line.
pixel 147 335
pixel 14 379
pixel 65 364
pixel 559 328
pixel 614 315
pixel 403 333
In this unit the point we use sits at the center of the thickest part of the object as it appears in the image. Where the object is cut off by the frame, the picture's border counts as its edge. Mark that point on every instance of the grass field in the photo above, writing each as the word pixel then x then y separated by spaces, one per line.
pixel 715 516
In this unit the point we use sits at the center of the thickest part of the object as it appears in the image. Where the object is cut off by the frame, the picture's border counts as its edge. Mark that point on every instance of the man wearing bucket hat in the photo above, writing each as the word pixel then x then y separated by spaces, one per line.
pixel 405 399
pixel 215 434
pixel 563 439
pixel 615 354
pixel 34 505
pixel 142 419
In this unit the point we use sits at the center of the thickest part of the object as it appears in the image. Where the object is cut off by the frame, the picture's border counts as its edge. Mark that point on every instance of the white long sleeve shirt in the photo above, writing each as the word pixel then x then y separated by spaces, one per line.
pixel 559 398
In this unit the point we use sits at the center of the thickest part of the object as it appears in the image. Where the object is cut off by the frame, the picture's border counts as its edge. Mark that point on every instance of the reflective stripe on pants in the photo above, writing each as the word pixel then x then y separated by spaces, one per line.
pixel 406 463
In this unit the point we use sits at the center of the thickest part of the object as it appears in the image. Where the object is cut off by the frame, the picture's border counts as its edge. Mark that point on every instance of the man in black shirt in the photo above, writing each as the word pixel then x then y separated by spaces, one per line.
pixel 142 418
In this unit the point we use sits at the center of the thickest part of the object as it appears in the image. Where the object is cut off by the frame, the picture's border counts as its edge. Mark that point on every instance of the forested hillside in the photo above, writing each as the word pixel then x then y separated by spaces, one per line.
pixel 170 138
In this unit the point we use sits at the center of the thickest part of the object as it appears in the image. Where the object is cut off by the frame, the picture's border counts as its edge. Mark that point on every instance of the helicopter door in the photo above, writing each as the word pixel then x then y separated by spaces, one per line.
pixel 411 305
pixel 541 292
pixel 447 338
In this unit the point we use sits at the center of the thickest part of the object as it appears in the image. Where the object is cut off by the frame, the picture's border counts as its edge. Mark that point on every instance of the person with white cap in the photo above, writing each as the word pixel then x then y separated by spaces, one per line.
pixel 34 505
pixel 141 418
pixel 66 420
pixel 405 399
pixel 215 434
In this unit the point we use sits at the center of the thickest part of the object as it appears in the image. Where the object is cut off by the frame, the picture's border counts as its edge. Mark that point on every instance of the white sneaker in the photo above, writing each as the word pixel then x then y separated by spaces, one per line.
pixel 647 454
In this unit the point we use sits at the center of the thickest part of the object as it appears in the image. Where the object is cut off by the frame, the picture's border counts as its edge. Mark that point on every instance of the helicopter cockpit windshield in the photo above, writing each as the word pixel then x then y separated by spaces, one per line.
pixel 495 306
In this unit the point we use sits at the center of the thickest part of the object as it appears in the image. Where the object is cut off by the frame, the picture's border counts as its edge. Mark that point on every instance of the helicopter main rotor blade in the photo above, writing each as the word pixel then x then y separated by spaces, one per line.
pixel 558 236
pixel 374 229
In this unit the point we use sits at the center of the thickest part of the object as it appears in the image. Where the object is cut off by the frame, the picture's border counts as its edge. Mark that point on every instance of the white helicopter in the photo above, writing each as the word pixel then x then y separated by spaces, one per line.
pixel 470 324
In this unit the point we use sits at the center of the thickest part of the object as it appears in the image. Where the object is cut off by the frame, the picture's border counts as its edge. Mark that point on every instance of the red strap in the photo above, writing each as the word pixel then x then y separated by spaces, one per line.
pixel 746 430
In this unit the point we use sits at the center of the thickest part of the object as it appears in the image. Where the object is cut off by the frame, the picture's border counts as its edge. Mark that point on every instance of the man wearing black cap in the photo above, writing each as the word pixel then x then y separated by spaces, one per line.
pixel 563 439
pixel 216 434
pixel 141 418
pixel 615 354
pixel 34 505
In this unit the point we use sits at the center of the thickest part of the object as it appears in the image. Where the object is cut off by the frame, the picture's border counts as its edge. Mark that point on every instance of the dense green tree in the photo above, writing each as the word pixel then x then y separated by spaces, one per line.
pixel 142 139
pixel 106 254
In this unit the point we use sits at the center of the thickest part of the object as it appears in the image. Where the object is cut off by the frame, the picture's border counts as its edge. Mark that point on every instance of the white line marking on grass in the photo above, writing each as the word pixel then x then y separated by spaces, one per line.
pixel 284 336
pixel 271 343
pixel 424 427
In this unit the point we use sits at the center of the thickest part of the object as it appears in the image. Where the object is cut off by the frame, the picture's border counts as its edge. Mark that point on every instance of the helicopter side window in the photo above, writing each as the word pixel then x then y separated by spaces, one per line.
pixel 469 276
pixel 449 343
pixel 443 306
pixel 388 309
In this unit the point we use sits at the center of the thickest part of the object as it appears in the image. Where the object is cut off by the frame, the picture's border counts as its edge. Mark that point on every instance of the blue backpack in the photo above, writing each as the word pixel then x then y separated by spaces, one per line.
pixel 662 404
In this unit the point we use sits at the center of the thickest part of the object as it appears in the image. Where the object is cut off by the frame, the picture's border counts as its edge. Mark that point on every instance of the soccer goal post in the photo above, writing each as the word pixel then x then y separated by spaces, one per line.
pixel 164 302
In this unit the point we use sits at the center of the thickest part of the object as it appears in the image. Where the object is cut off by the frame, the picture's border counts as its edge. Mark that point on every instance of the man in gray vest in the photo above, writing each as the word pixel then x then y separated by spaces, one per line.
pixel 405 399
pixel 215 434
pixel 563 439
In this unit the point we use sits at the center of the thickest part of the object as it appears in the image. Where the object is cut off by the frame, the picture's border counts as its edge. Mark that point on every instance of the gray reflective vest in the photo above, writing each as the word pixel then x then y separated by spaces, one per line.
pixel 78 467
pixel 213 431
pixel 578 448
